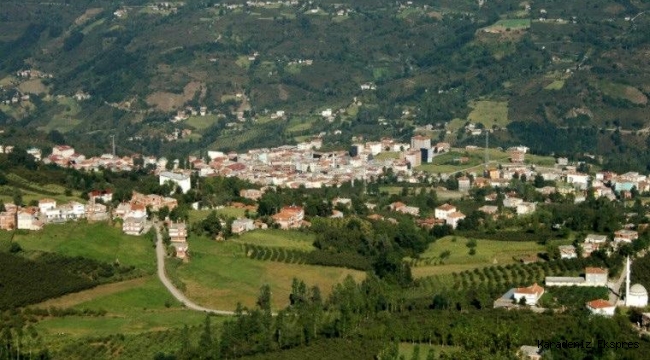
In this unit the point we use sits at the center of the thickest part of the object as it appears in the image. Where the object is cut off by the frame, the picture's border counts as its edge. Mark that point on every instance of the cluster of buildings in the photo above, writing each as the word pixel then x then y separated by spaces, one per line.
pixel 593 242
pixel 49 211
pixel 634 296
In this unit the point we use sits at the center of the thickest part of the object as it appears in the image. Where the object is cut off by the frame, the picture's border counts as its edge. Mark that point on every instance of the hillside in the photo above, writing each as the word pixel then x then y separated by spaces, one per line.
pixel 570 70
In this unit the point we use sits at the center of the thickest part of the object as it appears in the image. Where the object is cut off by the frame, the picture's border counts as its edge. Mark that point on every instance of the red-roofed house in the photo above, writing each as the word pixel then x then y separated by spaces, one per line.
pixel 290 217
pixel 601 307
pixel 531 293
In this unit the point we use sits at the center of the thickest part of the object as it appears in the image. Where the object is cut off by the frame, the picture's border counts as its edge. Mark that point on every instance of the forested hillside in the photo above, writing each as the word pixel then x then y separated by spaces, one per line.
pixel 529 70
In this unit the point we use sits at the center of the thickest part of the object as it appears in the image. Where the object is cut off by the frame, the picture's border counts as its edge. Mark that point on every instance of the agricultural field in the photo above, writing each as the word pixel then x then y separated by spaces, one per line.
pixel 98 241
pixel 296 240
pixel 451 253
pixel 131 307
pixel 509 24
pixel 624 92
pixel 406 351
pixel 201 122
pixel 220 275
pixel 489 113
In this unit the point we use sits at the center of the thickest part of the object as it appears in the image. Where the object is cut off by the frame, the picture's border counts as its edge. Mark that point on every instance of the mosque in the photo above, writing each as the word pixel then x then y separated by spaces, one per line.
pixel 636 295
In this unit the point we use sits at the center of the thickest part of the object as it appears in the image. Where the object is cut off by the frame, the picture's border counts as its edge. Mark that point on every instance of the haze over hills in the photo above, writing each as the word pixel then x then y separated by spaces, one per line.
pixel 560 77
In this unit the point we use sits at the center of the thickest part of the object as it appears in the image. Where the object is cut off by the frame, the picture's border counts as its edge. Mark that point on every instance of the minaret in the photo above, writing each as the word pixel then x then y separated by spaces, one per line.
pixel 627 281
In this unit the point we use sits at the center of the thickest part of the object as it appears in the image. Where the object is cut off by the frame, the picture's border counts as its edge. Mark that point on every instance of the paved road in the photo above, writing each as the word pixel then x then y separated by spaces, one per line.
pixel 160 256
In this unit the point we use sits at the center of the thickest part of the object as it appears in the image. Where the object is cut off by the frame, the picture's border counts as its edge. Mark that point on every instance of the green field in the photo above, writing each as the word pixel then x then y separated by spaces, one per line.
pixel 406 351
pixel 201 122
pixel 489 113
pixel 555 85
pixel 488 252
pixel 278 238
pixel 512 24
pixel 387 155
pixel 625 92
pixel 96 241
pixel 140 306
pixel 219 275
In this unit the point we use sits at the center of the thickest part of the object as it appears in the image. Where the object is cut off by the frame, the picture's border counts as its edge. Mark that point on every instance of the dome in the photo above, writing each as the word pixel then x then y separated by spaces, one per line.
pixel 638 290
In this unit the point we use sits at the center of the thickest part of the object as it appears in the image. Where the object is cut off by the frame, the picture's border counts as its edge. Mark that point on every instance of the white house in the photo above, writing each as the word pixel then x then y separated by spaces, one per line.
pixel 454 218
pixel 242 225
pixel 181 180
pixel 46 204
pixel 443 211
pixel 531 293
pixel 525 208
pixel 63 151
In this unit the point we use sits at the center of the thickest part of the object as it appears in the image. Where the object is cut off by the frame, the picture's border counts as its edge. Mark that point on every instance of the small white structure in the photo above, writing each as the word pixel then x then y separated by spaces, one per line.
pixel 601 307
pixel 182 180
pixel 242 225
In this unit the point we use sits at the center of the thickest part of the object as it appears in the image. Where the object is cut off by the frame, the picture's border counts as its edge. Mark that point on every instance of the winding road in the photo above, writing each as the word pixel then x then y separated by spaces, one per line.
pixel 160 257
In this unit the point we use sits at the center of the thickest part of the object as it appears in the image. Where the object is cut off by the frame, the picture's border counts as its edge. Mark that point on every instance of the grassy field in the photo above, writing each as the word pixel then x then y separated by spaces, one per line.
pixel 620 91
pixel 406 350
pixel 278 238
pixel 96 241
pixel 220 275
pixel 488 252
pixel 446 163
pixel 387 155
pixel 510 24
pixel 555 85
pixel 489 113
pixel 202 122
pixel 133 306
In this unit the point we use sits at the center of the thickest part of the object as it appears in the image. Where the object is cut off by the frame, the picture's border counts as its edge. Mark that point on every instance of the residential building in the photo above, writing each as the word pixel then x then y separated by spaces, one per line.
pixel 242 225
pixel 63 151
pixel 625 236
pixel 464 183
pixel 443 211
pixel 601 307
pixel 568 252
pixel 596 276
pixel 133 225
pixel 454 218
pixel 181 180
pixel 46 204
pixel 7 220
pixel 420 142
pixel 26 219
pixel 177 232
pixel 526 208
pixel 531 294
pixel 103 195
pixel 181 249
pixel 252 194
pixel 289 217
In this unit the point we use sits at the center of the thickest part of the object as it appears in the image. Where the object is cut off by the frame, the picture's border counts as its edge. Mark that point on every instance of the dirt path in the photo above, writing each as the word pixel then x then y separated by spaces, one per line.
pixel 160 256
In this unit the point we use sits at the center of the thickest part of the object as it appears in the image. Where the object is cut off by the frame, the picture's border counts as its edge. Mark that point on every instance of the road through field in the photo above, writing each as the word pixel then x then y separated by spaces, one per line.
pixel 160 257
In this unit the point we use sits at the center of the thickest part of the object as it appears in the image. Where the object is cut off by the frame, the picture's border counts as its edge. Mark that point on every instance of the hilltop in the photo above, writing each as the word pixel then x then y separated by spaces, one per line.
pixel 175 77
